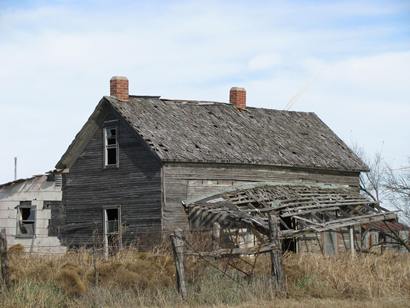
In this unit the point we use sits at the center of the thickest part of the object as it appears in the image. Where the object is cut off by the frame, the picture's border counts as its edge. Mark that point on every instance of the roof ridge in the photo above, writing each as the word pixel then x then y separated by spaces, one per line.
pixel 145 96
pixel 195 131
pixel 209 102
pixel 192 101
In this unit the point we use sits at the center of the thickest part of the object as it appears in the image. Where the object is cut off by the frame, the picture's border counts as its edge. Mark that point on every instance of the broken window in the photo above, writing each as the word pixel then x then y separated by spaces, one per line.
pixel 112 230
pixel 112 220
pixel 26 219
pixel 111 146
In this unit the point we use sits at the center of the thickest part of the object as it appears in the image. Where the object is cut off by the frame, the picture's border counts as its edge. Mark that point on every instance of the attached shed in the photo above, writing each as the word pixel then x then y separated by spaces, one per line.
pixel 31 213
pixel 323 218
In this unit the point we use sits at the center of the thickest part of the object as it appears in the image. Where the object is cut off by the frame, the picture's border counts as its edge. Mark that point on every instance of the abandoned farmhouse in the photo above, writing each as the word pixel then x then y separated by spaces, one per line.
pixel 142 166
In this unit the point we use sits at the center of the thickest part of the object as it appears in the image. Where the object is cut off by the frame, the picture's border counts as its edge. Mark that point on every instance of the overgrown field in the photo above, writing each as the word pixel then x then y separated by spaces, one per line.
pixel 132 279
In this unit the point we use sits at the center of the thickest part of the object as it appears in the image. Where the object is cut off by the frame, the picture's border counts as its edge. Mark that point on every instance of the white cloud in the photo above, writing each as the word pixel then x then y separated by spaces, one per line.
pixel 56 62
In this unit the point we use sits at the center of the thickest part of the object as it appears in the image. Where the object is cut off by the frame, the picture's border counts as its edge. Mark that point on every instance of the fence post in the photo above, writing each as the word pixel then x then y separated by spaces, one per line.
pixel 278 275
pixel 351 235
pixel 95 258
pixel 105 247
pixel 178 250
pixel 4 259
pixel 216 233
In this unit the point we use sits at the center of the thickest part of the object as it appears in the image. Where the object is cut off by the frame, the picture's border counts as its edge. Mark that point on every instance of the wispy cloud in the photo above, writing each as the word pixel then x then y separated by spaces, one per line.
pixel 56 61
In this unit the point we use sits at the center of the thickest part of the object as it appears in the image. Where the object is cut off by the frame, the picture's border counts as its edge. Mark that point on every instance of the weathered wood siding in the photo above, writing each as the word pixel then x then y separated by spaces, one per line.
pixel 135 186
pixel 183 182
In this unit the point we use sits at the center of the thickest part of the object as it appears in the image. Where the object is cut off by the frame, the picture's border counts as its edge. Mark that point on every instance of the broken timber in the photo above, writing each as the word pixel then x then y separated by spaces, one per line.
pixel 178 250
pixel 314 207
pixel 278 275
pixel 5 277
pixel 273 212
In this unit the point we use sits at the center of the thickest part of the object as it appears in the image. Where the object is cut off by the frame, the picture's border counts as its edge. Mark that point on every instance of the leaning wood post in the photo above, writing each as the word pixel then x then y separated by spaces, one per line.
pixel 351 235
pixel 95 258
pixel 216 234
pixel 105 246
pixel 278 275
pixel 178 250
pixel 4 259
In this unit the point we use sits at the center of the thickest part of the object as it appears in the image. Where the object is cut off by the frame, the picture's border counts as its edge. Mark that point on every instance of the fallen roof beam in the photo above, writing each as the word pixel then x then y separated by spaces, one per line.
pixel 235 251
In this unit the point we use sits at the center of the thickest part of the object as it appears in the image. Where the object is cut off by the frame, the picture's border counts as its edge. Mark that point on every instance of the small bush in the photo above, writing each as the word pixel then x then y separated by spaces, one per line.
pixel 70 280
pixel 17 249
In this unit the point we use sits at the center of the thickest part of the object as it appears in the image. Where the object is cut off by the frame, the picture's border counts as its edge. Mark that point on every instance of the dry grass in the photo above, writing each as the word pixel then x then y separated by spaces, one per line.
pixel 133 278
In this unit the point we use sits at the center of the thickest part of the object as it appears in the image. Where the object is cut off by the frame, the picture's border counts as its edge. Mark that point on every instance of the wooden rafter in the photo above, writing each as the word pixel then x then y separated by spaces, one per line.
pixel 317 208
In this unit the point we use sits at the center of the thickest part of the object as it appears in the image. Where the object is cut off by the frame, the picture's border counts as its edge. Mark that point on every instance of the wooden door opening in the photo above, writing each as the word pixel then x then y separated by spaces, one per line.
pixel 112 231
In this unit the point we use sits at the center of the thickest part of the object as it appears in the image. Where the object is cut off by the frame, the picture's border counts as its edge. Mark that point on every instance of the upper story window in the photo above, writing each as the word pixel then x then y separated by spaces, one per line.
pixel 110 146
pixel 26 219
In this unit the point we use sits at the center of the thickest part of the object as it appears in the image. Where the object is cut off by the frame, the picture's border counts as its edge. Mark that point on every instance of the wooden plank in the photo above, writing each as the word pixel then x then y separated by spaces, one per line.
pixel 278 274
pixel 317 210
pixel 5 275
pixel 259 173
pixel 220 253
pixel 216 234
pixel 178 251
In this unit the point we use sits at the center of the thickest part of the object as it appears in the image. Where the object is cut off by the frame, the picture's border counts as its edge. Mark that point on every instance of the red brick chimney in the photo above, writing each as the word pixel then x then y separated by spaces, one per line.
pixel 237 97
pixel 119 87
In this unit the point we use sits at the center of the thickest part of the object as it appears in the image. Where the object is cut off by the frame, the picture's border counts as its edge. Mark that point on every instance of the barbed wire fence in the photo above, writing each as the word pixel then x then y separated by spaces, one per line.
pixel 204 244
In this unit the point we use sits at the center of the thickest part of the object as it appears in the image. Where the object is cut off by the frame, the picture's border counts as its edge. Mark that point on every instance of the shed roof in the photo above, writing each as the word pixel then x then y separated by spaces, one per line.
pixel 315 208
pixel 213 132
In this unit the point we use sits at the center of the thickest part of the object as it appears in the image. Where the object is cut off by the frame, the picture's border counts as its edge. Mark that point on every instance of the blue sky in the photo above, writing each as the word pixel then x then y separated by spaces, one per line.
pixel 347 61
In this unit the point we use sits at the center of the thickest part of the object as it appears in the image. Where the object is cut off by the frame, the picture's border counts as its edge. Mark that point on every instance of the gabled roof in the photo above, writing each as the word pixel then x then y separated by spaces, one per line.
pixel 212 132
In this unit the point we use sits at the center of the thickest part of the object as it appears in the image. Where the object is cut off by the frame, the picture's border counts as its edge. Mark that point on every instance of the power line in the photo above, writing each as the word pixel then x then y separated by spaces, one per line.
pixel 402 168
pixel 304 89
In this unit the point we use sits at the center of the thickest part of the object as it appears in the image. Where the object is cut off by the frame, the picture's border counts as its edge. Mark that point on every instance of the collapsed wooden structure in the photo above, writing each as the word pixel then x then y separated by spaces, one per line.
pixel 301 209
pixel 274 212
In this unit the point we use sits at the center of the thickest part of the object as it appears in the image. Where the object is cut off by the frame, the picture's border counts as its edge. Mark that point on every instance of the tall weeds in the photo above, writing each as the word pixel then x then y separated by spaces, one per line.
pixel 132 278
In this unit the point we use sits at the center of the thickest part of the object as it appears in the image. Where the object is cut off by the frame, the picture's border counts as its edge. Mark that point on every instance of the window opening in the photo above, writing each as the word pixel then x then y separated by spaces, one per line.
pixel 112 231
pixel 26 220
pixel 111 146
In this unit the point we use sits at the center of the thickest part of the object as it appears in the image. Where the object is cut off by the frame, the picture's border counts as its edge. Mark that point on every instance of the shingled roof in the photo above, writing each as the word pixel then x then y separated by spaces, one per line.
pixel 213 132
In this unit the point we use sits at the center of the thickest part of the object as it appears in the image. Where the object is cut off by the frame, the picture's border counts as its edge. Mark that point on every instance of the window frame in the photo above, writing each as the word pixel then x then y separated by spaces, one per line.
pixel 19 219
pixel 111 146
pixel 107 234
pixel 105 218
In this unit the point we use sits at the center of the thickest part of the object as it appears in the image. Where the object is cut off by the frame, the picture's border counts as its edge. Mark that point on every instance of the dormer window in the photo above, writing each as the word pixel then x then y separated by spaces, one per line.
pixel 110 146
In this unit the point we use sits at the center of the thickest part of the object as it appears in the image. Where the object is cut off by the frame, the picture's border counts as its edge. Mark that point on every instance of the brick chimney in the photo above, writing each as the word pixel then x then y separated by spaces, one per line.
pixel 119 87
pixel 237 97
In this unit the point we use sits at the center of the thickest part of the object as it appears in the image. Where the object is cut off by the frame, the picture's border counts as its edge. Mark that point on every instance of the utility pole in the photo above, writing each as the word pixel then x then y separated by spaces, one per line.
pixel 15 168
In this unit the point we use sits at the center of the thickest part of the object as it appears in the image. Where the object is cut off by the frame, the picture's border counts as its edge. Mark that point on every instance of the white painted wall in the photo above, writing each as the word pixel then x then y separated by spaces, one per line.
pixel 37 190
